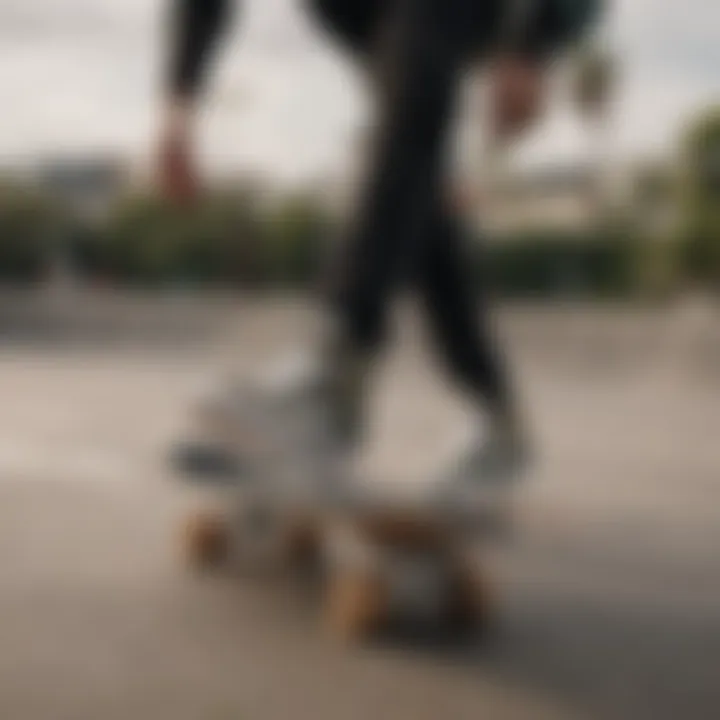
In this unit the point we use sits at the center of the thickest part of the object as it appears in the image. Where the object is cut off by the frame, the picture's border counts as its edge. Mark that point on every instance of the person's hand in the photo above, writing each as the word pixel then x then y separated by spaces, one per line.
pixel 176 171
pixel 517 93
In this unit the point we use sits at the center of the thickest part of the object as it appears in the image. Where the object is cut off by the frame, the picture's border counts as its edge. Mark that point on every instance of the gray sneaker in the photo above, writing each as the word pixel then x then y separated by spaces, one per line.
pixel 305 415
pixel 489 467
pixel 476 489
pixel 497 460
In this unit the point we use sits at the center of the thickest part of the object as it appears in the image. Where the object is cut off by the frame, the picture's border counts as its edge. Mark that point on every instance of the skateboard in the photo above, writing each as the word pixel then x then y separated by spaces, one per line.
pixel 382 560
pixel 384 555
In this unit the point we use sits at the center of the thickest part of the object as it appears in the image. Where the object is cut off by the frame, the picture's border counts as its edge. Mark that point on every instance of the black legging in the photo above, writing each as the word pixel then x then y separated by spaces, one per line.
pixel 404 224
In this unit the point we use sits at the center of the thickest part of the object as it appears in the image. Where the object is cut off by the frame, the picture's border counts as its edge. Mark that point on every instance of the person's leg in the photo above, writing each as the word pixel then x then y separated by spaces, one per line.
pixel 420 70
pixel 403 224
pixel 423 51
pixel 457 310
pixel 416 70
pixel 417 61
pixel 461 326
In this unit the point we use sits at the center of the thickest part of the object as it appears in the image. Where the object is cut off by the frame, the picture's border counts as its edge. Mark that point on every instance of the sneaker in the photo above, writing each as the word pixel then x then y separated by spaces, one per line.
pixel 497 460
pixel 480 480
pixel 304 414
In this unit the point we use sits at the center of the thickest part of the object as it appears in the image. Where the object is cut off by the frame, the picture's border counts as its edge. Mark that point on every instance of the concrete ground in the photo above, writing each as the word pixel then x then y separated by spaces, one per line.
pixel 610 593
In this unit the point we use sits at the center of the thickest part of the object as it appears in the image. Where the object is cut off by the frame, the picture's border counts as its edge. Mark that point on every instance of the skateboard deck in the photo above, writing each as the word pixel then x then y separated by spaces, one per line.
pixel 386 554
pixel 377 569
pixel 385 558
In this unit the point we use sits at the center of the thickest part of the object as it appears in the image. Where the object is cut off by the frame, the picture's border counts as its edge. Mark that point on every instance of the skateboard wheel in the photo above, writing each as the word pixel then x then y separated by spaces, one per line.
pixel 469 607
pixel 206 541
pixel 357 605
pixel 302 545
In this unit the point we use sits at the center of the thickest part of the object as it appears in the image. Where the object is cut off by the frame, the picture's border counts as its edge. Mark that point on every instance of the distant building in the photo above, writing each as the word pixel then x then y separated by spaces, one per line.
pixel 574 198
pixel 89 184
pixel 555 198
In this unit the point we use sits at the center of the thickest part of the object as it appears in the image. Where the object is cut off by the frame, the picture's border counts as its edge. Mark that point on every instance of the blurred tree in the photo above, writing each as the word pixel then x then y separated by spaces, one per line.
pixel 30 228
pixel 654 213
pixel 214 240
pixel 655 188
pixel 298 227
pixel 701 198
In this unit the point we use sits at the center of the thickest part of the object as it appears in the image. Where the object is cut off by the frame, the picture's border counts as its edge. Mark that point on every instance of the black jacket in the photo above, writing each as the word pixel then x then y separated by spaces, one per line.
pixel 197 24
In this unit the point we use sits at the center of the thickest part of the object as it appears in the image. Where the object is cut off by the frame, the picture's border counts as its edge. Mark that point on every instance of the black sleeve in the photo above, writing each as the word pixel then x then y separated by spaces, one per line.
pixel 195 26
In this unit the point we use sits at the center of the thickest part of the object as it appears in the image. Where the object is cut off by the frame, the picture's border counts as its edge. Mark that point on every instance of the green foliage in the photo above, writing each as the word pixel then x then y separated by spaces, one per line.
pixel 230 239
pixel 29 230
pixel 658 267
pixel 702 152
pixel 560 265
pixel 296 230
pixel 147 240
pixel 700 250
pixel 700 235
pixel 226 239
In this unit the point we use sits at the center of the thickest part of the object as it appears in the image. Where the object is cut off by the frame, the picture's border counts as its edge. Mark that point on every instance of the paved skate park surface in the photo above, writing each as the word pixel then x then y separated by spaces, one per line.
pixel 610 592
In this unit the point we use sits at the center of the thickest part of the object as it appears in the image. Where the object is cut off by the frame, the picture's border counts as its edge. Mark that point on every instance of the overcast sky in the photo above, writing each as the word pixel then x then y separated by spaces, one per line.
pixel 79 75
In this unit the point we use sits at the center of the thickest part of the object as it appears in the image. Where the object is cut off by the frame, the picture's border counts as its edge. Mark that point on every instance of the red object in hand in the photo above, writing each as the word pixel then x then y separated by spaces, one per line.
pixel 517 95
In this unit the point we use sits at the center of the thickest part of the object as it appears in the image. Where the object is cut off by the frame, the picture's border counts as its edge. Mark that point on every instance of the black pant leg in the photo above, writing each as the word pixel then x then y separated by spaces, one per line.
pixel 458 311
pixel 421 72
